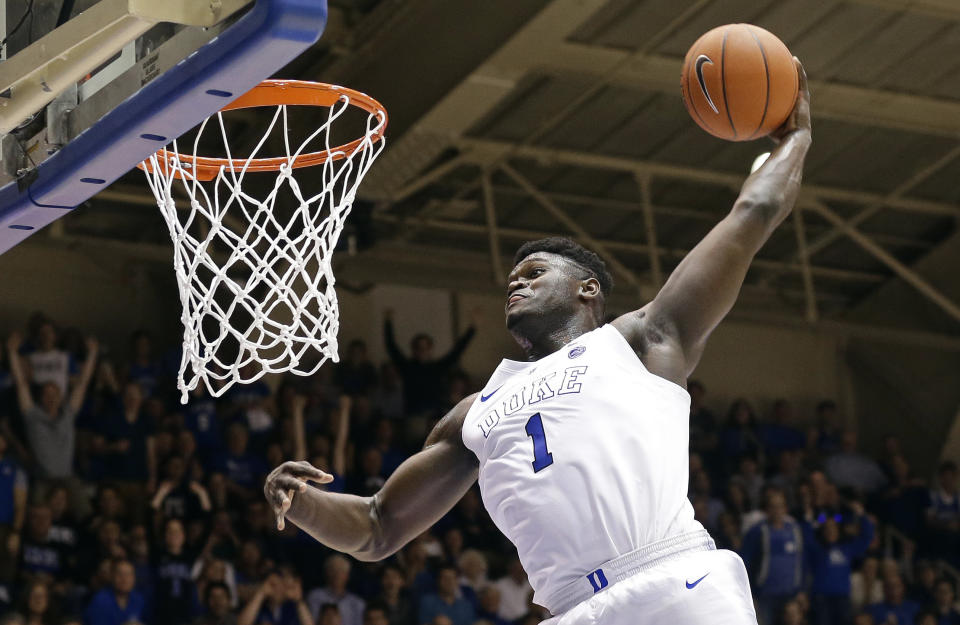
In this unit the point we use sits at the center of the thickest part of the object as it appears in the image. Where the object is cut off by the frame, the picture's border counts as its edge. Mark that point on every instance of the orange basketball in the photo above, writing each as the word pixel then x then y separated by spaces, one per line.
pixel 739 82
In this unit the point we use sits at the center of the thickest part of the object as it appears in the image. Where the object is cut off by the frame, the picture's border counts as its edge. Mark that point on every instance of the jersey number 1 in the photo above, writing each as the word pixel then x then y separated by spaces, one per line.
pixel 541 457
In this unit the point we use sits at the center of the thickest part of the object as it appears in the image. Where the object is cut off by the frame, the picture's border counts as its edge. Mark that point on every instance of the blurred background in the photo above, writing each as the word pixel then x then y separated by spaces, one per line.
pixel 824 426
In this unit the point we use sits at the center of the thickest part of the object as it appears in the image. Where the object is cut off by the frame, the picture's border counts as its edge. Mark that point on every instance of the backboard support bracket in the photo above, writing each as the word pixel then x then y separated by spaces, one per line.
pixel 42 70
pixel 262 41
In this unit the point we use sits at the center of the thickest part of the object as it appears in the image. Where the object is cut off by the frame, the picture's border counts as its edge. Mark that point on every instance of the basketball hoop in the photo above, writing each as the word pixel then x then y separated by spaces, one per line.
pixel 253 265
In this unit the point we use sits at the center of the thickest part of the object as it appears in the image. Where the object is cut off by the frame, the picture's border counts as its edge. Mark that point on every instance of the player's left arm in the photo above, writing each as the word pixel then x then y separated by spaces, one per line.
pixel 704 286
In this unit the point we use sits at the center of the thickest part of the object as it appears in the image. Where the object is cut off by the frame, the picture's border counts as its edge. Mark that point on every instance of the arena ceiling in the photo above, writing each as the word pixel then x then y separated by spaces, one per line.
pixel 513 119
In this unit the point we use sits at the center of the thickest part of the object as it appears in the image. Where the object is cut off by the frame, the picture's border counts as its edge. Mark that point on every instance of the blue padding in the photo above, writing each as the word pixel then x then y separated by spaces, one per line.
pixel 269 36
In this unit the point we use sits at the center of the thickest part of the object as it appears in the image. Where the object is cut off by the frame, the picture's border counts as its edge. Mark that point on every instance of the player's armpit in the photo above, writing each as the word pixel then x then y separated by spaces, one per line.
pixel 422 489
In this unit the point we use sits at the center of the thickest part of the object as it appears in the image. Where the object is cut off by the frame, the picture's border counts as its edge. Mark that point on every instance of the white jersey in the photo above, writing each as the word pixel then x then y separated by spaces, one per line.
pixel 583 458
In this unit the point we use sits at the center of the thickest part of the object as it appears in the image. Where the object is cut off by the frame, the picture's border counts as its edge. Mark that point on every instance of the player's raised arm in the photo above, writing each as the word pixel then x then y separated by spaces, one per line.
pixel 425 487
pixel 704 286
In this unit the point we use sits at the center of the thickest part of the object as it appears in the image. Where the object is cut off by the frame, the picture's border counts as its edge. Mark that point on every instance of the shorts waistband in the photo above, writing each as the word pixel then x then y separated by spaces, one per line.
pixel 627 565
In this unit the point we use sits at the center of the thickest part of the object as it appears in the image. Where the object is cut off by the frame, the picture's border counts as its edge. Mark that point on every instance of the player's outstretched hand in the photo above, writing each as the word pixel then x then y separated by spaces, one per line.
pixel 800 117
pixel 287 480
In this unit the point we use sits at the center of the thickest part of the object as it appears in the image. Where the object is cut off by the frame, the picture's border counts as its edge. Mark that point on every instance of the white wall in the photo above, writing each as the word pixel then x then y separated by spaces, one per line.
pixel 767 363
pixel 91 290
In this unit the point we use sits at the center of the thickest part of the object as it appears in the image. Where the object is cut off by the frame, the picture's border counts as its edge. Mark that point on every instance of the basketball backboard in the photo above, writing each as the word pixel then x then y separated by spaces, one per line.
pixel 90 99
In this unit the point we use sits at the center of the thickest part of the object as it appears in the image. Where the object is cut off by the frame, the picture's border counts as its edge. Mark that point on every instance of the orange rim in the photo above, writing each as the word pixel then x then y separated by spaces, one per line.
pixel 291 93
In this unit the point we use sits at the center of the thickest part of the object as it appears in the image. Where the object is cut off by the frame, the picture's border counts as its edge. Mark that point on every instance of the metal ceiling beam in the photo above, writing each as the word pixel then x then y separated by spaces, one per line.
pixel 484 151
pixel 542 45
pixel 490 211
pixel 650 227
pixel 810 293
pixel 825 239
pixel 943 9
pixel 691 213
pixel 560 215
pixel 522 234
pixel 909 276
pixel 848 103
pixel 368 267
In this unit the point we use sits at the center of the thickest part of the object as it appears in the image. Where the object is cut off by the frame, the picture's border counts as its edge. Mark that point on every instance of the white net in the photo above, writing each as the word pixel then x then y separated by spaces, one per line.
pixel 253 264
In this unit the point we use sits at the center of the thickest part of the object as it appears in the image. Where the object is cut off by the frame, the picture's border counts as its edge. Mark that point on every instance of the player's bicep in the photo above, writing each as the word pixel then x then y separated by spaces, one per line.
pixel 427 485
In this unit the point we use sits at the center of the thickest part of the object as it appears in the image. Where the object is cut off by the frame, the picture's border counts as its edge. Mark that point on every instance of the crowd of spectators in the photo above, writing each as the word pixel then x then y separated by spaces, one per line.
pixel 119 505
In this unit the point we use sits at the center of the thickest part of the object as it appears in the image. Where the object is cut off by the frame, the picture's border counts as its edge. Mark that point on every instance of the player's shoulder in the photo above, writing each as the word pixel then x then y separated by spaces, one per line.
pixel 450 426
pixel 643 329
pixel 654 341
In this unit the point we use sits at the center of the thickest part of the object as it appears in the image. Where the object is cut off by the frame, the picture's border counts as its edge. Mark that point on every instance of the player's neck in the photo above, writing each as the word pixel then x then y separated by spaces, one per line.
pixel 542 340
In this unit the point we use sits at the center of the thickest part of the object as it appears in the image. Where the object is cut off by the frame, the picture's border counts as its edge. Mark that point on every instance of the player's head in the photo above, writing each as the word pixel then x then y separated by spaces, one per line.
pixel 554 279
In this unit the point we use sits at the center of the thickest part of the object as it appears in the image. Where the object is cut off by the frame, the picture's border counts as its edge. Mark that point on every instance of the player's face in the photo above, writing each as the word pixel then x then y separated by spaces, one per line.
pixel 539 285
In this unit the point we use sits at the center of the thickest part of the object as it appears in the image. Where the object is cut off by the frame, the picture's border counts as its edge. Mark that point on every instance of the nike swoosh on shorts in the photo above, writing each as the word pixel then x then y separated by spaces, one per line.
pixel 689 585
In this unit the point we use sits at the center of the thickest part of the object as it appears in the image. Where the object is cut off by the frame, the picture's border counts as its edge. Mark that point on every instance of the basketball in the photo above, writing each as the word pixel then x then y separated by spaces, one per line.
pixel 739 82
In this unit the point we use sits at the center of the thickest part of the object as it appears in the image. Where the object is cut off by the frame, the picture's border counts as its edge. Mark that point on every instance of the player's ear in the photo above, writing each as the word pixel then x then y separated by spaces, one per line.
pixel 589 288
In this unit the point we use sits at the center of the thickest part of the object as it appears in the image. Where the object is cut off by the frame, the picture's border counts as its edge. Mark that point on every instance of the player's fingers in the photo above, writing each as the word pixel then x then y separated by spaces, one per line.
pixel 281 507
pixel 804 90
pixel 307 470
pixel 288 483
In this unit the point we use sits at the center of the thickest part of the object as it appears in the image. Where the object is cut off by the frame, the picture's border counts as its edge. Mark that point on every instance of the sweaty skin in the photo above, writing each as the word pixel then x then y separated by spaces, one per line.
pixel 549 303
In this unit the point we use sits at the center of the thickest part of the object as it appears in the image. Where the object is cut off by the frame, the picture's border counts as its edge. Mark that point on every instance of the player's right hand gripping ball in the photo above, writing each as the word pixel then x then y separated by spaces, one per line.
pixel 739 82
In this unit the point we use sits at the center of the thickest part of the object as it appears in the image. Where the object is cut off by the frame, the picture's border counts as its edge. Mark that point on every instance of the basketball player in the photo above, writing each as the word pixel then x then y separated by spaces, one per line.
pixel 582 451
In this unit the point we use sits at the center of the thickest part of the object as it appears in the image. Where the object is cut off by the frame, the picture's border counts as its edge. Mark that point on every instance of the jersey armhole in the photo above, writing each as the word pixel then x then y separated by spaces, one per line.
pixel 624 346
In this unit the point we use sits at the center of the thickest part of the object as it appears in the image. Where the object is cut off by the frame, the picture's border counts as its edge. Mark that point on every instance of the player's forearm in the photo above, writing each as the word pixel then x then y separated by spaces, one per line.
pixel 346 523
pixel 770 193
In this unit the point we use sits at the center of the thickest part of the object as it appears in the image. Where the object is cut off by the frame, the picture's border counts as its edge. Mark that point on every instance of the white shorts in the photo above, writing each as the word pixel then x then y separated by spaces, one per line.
pixel 671 594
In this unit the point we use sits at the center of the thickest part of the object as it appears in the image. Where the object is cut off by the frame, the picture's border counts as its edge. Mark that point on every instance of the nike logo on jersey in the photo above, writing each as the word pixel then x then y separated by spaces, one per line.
pixel 486 397
pixel 701 61
pixel 689 585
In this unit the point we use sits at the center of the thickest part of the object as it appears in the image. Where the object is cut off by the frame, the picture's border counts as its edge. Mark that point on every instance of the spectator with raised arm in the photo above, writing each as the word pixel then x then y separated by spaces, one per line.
pixel 831 561
pixel 278 601
pixel 47 363
pixel 424 376
pixel 179 496
pixel 50 424
pixel 337 461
